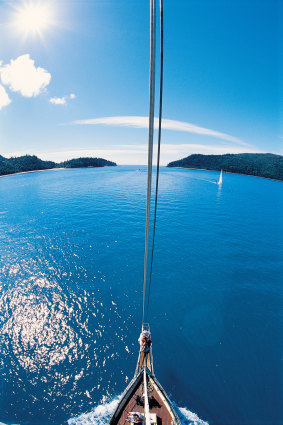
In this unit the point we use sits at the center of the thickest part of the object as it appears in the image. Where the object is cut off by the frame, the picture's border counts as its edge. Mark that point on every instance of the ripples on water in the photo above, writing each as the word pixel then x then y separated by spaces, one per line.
pixel 71 247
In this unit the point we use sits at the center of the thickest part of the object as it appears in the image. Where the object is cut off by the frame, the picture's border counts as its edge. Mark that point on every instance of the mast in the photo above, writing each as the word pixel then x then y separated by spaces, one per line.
pixel 150 137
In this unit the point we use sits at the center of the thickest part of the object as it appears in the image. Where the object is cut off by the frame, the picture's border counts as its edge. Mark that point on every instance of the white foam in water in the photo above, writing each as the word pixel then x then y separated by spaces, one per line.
pixel 1 423
pixel 189 418
pixel 102 413
pixel 99 416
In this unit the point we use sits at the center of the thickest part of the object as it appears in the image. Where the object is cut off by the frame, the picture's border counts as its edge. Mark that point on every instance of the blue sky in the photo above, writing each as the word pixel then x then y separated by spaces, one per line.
pixel 75 83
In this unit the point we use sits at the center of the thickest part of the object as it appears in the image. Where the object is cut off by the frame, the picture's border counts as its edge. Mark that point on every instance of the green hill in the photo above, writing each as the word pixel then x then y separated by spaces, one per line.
pixel 87 162
pixel 23 163
pixel 33 163
pixel 255 164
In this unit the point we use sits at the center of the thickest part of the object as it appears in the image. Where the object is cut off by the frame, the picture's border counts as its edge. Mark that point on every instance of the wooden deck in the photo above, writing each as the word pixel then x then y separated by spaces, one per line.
pixel 157 404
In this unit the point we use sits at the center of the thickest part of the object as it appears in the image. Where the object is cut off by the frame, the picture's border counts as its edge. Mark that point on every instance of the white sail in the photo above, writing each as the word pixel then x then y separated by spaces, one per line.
pixel 220 178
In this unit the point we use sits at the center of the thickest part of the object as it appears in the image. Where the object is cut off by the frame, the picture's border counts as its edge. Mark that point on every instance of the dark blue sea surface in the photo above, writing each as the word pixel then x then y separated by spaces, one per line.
pixel 71 269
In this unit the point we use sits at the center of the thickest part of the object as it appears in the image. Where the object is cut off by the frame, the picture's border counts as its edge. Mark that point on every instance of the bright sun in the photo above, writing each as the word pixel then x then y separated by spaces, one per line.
pixel 33 17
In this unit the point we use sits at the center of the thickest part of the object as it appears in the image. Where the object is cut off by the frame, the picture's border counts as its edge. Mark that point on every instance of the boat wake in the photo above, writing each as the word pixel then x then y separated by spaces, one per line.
pixel 2 423
pixel 204 180
pixel 189 418
pixel 101 414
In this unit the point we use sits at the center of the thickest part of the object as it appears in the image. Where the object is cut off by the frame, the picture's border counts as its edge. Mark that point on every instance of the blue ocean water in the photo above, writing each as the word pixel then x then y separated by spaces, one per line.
pixel 71 267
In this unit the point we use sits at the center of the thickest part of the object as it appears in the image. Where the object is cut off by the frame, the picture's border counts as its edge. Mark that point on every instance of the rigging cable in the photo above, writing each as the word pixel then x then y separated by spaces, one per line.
pixel 150 138
pixel 159 143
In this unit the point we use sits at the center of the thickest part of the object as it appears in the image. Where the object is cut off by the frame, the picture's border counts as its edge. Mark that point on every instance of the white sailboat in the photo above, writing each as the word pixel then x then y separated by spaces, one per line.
pixel 220 179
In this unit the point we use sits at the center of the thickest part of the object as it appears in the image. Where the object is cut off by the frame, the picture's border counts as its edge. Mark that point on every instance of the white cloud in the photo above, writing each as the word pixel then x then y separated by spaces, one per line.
pixel 62 100
pixel 142 122
pixel 21 75
pixel 58 100
pixel 4 98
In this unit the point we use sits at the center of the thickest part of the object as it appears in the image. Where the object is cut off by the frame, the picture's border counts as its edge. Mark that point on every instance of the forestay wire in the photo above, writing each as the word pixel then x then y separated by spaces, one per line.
pixel 158 147
pixel 150 139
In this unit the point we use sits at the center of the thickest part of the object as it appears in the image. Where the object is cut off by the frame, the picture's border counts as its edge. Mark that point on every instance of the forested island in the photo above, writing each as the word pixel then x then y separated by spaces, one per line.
pixel 33 163
pixel 266 165
pixel 86 162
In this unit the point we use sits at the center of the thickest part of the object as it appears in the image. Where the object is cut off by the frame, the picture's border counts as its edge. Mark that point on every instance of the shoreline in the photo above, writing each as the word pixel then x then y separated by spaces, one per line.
pixel 48 169
pixel 32 171
pixel 228 172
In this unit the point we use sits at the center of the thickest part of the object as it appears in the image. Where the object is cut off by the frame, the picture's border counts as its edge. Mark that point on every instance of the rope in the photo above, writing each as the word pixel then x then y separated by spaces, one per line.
pixel 150 138
pixel 159 143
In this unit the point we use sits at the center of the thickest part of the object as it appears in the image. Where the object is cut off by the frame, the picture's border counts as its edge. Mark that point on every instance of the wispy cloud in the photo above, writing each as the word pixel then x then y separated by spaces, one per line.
pixel 4 98
pixel 21 75
pixel 142 122
pixel 62 100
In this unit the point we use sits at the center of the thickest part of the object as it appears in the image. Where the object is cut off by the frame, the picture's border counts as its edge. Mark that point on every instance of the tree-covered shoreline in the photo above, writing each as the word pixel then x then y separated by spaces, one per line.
pixel 266 165
pixel 27 163
pixel 87 162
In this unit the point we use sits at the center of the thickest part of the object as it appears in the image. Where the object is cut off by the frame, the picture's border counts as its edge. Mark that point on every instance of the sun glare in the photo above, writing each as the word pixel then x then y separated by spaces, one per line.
pixel 33 18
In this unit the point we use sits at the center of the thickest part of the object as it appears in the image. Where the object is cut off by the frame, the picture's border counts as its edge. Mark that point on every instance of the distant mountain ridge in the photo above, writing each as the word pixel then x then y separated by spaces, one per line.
pixel 33 163
pixel 266 165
